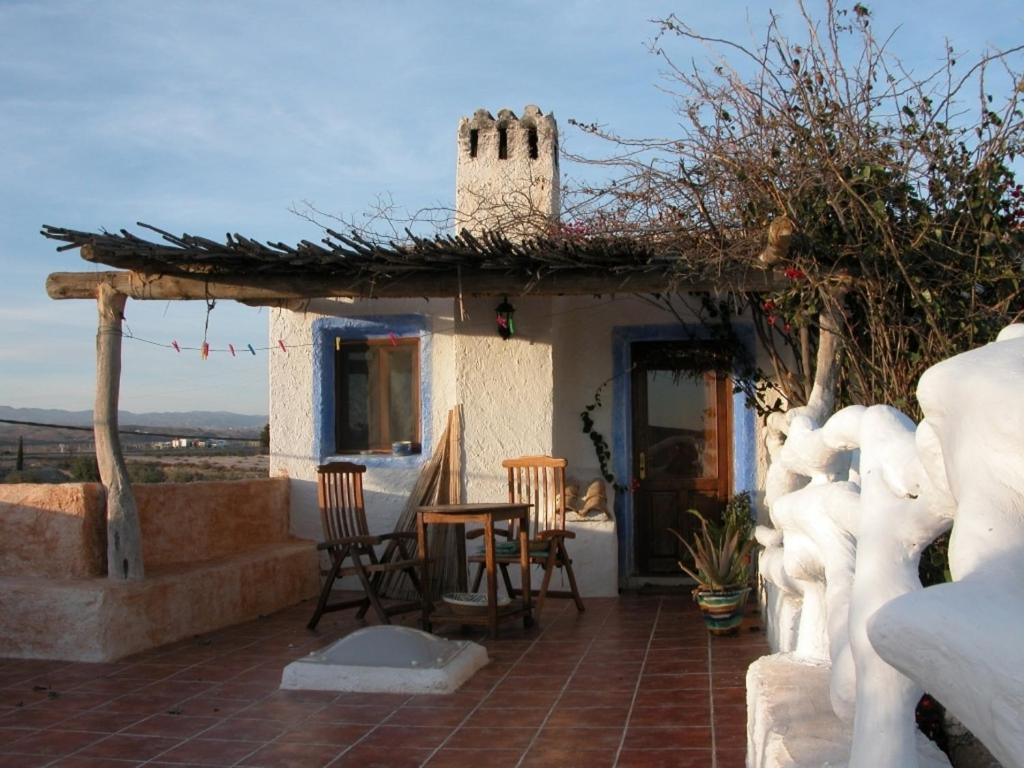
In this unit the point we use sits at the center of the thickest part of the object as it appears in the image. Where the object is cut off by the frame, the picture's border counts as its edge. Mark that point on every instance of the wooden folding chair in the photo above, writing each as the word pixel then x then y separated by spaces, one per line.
pixel 347 538
pixel 539 481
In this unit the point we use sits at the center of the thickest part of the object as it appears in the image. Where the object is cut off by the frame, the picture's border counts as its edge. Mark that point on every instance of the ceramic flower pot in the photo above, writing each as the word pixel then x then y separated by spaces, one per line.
pixel 723 610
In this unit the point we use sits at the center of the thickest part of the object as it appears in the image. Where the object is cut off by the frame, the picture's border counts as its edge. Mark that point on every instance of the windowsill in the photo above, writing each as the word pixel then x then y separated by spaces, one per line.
pixel 377 458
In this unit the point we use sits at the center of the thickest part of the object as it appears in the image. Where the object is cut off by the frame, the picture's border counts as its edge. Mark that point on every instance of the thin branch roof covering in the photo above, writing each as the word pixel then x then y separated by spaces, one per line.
pixel 349 264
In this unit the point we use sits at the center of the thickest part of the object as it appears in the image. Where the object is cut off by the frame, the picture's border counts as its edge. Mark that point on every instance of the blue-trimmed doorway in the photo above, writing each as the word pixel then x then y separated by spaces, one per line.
pixel 740 426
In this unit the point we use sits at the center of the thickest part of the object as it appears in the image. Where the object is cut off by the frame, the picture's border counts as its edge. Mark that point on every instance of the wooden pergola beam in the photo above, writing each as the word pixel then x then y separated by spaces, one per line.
pixel 257 289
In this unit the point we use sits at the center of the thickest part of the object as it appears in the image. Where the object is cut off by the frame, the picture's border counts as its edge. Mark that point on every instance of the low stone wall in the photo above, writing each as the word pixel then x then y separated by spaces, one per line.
pixel 215 554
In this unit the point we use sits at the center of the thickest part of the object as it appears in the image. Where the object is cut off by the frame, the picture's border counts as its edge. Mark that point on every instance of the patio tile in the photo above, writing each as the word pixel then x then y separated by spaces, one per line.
pixel 574 678
pixel 559 757
pixel 80 761
pixel 247 730
pixel 500 718
pixel 557 737
pixel 33 717
pixel 506 695
pixel 140 704
pixel 511 736
pixel 666 737
pixel 665 758
pixel 338 734
pixel 286 711
pixel 24 761
pixel 346 713
pixel 461 758
pixel 373 757
pixel 216 752
pixel 451 716
pixel 130 747
pixel 7 735
pixel 291 755
pixel 205 705
pixel 171 725
pixel 696 712
pixel 99 722
pixel 54 743
pixel 411 736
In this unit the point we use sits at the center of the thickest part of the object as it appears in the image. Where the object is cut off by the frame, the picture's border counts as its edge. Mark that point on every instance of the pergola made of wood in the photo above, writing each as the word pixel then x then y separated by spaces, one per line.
pixel 191 267
pixel 346 265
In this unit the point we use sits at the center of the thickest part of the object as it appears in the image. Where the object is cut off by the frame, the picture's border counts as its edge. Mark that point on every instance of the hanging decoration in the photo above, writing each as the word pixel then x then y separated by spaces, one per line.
pixel 204 350
pixel 393 338
pixel 280 343
pixel 177 349
pixel 252 350
pixel 505 320
pixel 231 349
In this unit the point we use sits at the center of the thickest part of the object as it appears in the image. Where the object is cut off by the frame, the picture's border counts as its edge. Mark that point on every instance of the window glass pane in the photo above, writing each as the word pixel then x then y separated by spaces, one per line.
pixel 352 406
pixel 376 395
pixel 683 422
pixel 401 395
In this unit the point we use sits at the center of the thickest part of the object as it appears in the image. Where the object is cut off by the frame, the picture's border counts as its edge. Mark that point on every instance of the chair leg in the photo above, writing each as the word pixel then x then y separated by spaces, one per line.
pixel 370 589
pixel 512 591
pixel 325 593
pixel 549 567
pixel 363 608
pixel 567 564
pixel 478 578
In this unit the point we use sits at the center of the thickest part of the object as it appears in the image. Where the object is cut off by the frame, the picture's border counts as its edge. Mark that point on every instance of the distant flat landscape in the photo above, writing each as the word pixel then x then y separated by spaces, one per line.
pixel 207 445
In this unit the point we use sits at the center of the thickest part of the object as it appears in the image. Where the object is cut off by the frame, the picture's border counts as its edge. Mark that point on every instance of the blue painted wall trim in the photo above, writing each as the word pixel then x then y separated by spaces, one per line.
pixel 325 331
pixel 744 469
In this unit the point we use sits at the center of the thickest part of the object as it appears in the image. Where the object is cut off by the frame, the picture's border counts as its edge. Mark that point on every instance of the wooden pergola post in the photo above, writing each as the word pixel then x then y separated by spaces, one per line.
pixel 124 538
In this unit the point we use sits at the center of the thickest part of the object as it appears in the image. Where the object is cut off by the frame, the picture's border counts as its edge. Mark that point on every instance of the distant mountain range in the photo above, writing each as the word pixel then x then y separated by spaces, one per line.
pixel 209 421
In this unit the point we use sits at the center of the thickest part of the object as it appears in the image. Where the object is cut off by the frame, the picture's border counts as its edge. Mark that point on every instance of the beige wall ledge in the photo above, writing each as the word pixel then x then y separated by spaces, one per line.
pixel 216 554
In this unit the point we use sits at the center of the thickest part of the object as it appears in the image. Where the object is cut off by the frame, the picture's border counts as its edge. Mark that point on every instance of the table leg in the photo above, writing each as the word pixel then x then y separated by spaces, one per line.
pixel 492 577
pixel 421 551
pixel 524 569
pixel 460 554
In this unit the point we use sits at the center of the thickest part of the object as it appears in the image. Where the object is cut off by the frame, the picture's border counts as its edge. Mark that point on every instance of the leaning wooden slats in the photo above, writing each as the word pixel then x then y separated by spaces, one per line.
pixel 439 482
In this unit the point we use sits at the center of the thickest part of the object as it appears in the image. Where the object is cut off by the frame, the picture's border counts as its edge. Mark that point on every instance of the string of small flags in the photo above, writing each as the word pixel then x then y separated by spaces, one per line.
pixel 205 349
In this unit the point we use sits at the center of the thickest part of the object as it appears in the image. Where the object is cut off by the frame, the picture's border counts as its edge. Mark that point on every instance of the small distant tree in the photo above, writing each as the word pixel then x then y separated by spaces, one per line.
pixel 265 439
pixel 84 469
pixel 19 458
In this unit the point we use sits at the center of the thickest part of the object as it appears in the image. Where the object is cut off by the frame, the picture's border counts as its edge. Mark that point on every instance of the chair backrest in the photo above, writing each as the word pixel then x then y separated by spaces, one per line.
pixel 540 481
pixel 340 493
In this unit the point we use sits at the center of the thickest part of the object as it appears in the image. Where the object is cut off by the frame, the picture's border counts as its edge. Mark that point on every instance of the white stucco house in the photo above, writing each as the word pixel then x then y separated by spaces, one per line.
pixel 387 370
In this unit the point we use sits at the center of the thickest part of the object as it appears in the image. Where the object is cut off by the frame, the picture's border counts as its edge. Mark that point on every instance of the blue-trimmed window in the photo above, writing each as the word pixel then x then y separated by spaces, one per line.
pixel 376 395
pixel 336 332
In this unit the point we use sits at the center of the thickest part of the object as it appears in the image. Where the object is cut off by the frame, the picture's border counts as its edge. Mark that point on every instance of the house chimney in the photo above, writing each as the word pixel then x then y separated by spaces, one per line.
pixel 506 177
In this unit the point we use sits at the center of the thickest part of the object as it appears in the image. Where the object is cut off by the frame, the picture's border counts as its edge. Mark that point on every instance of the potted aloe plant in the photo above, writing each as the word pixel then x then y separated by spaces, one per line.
pixel 721 565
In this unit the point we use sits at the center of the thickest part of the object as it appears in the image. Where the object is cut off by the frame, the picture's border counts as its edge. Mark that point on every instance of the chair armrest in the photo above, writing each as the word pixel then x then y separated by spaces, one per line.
pixel 411 535
pixel 476 533
pixel 348 541
pixel 555 534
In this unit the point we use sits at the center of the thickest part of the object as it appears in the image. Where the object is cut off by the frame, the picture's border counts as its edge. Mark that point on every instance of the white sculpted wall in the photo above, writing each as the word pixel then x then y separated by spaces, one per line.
pixel 853 501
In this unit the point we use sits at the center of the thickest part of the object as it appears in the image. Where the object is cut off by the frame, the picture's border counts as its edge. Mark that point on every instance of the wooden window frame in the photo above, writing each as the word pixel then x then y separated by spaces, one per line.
pixel 384 346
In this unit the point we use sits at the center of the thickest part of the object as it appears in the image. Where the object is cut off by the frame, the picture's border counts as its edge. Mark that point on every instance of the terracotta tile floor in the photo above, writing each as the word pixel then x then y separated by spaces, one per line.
pixel 635 681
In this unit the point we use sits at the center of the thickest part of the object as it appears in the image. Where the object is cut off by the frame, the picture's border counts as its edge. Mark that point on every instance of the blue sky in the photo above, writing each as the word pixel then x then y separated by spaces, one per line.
pixel 208 117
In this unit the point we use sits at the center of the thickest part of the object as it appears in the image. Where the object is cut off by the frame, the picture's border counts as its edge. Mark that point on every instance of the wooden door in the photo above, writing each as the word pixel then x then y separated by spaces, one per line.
pixel 681 453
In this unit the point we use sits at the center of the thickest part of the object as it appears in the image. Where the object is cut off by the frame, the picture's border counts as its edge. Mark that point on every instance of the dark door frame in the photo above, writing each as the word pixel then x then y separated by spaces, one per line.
pixel 744 450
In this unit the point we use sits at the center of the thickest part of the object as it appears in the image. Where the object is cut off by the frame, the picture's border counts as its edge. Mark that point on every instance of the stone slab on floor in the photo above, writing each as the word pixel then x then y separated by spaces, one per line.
pixel 790 723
